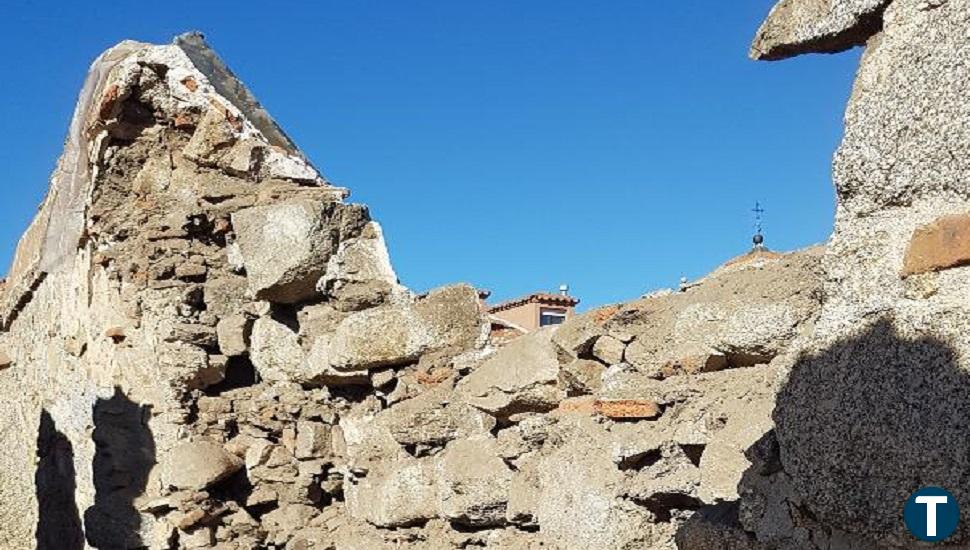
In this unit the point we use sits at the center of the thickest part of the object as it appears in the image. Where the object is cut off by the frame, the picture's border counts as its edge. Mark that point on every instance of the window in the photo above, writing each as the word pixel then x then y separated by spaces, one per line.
pixel 549 317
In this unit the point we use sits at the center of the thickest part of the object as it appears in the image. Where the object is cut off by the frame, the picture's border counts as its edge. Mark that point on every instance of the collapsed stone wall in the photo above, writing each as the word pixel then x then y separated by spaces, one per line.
pixel 204 346
pixel 875 403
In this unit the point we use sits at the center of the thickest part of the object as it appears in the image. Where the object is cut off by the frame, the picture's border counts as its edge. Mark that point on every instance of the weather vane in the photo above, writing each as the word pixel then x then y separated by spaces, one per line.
pixel 759 238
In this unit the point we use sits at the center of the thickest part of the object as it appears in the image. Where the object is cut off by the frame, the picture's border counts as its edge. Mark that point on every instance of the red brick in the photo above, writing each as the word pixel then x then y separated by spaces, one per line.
pixel 943 244
pixel 627 408
pixel 576 405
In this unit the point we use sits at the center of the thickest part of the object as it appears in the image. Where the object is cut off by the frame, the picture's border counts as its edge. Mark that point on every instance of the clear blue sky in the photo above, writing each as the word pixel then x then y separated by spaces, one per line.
pixel 515 145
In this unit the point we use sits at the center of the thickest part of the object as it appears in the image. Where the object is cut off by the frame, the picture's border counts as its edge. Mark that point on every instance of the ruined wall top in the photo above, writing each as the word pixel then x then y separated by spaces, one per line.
pixel 200 78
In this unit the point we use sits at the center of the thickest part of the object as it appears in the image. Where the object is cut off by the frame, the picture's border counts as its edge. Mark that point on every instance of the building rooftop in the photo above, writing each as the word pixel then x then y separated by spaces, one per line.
pixel 536 297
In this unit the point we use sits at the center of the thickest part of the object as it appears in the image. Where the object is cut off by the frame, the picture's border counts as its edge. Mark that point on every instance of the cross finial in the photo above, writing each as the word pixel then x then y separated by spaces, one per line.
pixel 758 238
pixel 758 211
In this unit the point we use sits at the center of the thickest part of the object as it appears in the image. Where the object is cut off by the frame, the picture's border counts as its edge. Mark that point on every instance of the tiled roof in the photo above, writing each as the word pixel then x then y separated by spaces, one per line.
pixel 538 298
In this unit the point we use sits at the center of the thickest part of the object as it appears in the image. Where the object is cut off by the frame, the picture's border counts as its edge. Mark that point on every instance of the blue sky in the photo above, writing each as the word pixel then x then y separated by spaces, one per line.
pixel 615 146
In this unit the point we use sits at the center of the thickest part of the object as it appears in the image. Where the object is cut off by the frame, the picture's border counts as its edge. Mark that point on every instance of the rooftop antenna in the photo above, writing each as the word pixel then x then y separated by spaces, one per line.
pixel 759 238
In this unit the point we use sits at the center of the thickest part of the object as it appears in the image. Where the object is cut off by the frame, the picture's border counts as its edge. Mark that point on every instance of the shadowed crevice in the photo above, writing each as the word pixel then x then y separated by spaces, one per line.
pixel 124 455
pixel 859 426
pixel 55 482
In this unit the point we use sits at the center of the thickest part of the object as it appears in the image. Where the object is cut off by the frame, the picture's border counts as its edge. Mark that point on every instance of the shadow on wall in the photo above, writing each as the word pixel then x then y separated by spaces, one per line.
pixel 124 456
pixel 58 520
pixel 858 428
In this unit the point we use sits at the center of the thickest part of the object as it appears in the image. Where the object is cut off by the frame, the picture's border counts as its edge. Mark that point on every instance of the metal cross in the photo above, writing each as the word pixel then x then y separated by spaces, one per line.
pixel 758 211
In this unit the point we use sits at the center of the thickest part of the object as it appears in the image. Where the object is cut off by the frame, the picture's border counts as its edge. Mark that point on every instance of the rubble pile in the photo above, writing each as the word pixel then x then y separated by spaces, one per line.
pixel 205 346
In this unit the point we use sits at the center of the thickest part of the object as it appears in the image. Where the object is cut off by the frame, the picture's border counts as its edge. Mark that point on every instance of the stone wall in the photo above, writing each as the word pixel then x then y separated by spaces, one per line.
pixel 205 346
pixel 875 403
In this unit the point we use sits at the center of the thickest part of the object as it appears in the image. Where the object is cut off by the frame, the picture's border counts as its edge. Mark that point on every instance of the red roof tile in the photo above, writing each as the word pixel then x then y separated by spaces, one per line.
pixel 536 297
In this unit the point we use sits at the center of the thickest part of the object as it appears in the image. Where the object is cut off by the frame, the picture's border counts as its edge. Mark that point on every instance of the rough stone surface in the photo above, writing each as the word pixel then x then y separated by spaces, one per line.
pixel 276 351
pixel 395 494
pixel 474 483
pixel 822 26
pixel 312 440
pixel 433 419
pixel 285 247
pixel 890 331
pixel 520 377
pixel 743 314
pixel 360 274
pixel 578 505
pixel 609 350
pixel 582 376
pixel 448 320
pixel 197 465
pixel 233 333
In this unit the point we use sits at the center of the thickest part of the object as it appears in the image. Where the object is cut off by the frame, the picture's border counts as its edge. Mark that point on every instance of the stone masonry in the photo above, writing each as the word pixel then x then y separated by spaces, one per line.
pixel 203 345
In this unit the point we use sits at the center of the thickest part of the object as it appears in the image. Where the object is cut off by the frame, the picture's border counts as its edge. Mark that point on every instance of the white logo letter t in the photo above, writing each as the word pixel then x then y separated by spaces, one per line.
pixel 931 503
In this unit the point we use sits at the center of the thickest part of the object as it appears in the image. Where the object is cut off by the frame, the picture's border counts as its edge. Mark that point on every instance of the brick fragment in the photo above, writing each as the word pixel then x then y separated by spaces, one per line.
pixel 942 244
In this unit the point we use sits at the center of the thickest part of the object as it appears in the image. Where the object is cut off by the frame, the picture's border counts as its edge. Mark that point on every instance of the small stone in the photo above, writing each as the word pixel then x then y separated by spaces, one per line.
pixel 258 453
pixel 276 351
pixel 582 376
pixel 395 493
pixel 5 361
pixel 189 519
pixel 157 505
pixel 197 465
pixel 222 225
pixel 191 271
pixel 116 333
pixel 381 378
pixel 360 274
pixel 609 350
pixel 577 336
pixel 319 370
pixel 289 517
pixel 184 121
pixel 279 164
pixel 196 539
pixel 213 136
pixel 694 364
pixel 434 418
pixel 233 333
pixel 262 495
pixel 312 440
